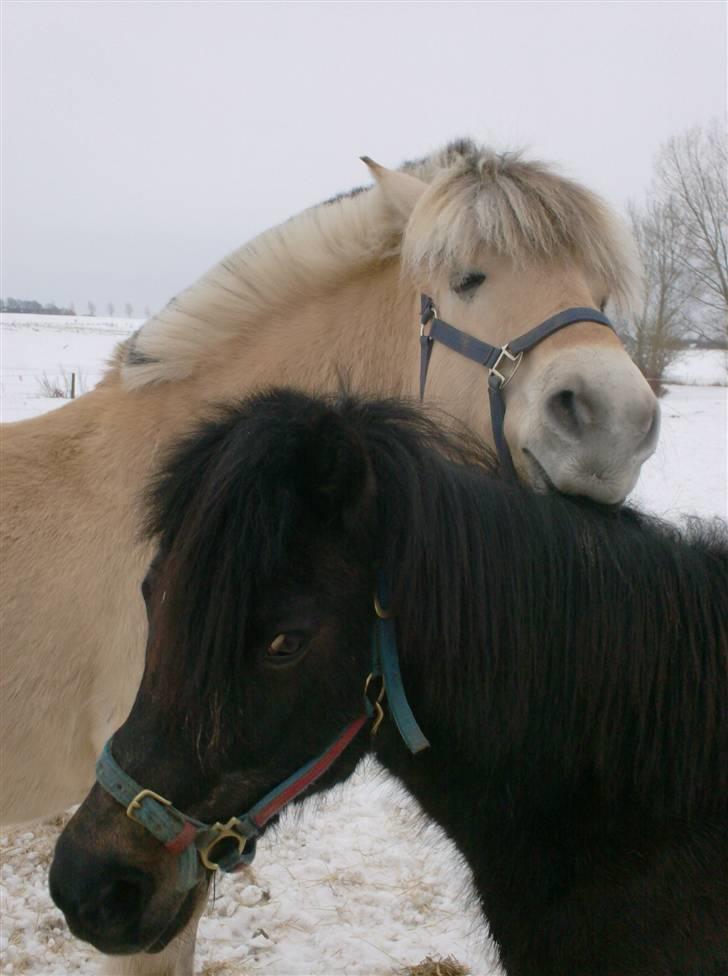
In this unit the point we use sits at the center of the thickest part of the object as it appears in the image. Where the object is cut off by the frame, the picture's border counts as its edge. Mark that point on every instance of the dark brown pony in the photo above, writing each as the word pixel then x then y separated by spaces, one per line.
pixel 566 662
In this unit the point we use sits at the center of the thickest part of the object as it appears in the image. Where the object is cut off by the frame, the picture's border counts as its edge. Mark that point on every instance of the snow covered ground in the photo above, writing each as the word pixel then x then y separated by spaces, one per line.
pixel 699 367
pixel 355 882
pixel 34 348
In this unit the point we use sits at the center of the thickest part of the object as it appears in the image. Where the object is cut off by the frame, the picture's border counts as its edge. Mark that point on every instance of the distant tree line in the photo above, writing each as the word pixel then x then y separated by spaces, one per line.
pixel 682 234
pixel 31 307
pixel 26 306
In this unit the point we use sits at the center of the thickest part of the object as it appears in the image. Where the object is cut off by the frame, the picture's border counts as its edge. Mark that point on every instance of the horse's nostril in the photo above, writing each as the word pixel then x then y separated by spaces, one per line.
pixel 566 400
pixel 569 411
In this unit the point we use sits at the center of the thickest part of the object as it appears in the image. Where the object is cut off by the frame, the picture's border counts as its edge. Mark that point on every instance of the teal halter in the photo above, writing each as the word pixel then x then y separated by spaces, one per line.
pixel 231 845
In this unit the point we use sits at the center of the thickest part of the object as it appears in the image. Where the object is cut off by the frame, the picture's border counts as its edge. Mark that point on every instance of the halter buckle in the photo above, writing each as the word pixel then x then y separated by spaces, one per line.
pixel 138 800
pixel 222 832
pixel 505 354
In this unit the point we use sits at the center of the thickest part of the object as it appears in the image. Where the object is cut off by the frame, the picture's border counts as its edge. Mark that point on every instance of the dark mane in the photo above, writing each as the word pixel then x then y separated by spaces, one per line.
pixel 594 634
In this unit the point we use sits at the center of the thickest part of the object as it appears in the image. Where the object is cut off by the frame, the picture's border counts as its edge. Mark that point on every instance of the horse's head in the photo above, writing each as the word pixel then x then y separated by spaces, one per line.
pixel 501 245
pixel 259 605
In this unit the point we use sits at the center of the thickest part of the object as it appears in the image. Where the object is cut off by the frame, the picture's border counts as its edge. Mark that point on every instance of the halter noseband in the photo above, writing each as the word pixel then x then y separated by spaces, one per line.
pixel 500 361
pixel 230 845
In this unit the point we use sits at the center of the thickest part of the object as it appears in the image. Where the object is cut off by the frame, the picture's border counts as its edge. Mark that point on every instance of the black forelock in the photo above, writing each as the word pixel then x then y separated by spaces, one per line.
pixel 227 503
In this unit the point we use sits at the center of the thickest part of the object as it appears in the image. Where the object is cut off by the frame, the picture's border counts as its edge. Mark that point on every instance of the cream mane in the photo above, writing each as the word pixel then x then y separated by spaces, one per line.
pixel 522 209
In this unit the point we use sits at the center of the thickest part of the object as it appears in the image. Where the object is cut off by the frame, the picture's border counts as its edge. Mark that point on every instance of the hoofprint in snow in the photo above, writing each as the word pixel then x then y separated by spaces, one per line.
pixel 355 882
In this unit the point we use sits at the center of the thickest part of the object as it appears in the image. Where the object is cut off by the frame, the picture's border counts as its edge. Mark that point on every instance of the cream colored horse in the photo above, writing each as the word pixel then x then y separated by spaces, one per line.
pixel 498 242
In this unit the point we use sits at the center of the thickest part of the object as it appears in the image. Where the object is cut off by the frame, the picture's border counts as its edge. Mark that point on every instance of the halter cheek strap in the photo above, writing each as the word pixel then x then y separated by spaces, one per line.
pixel 386 663
pixel 500 361
pixel 193 841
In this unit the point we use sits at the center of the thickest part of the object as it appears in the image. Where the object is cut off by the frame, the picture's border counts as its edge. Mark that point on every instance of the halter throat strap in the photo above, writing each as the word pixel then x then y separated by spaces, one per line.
pixel 500 361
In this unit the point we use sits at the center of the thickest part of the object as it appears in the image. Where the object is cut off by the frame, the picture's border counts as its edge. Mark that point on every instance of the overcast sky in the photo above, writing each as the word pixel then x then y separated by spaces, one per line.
pixel 142 141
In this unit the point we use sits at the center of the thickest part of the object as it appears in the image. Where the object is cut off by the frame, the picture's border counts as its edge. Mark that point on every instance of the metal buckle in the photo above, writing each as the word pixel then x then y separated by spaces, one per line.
pixel 376 705
pixel 137 802
pixel 505 353
pixel 223 831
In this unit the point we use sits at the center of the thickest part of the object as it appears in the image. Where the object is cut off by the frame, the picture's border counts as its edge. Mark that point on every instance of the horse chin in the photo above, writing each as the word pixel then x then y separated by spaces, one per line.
pixel 535 474
pixel 600 490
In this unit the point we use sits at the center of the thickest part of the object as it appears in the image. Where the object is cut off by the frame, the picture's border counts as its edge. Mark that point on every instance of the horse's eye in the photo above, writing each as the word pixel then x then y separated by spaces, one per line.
pixel 603 305
pixel 285 646
pixel 468 282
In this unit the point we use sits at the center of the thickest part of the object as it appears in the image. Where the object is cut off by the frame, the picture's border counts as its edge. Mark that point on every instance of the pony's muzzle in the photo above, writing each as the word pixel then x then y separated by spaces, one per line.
pixel 103 900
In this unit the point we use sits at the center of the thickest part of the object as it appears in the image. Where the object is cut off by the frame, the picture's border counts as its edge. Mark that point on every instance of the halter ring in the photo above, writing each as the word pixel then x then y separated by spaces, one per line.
pixel 376 705
pixel 222 832
pixel 138 800
pixel 505 353
pixel 426 319
pixel 380 611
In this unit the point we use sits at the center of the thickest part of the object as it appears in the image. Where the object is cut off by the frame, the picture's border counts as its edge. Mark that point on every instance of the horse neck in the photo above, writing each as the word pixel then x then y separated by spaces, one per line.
pixel 362 332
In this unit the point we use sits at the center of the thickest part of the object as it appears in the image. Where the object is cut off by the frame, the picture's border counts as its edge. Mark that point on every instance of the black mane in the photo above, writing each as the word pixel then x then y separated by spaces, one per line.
pixel 598 636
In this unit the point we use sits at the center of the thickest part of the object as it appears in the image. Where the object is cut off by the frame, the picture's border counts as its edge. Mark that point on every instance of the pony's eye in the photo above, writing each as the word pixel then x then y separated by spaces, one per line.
pixel 468 282
pixel 603 305
pixel 285 646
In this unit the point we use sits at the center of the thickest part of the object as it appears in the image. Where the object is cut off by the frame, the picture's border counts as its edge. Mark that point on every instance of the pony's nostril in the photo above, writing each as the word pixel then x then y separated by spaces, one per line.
pixel 122 898
pixel 106 901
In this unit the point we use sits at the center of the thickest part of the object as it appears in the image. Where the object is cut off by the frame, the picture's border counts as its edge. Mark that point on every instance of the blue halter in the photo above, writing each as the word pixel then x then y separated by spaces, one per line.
pixel 230 845
pixel 500 361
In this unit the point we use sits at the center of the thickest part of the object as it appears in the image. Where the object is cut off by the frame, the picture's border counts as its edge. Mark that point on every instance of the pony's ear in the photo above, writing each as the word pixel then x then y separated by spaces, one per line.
pixel 335 474
pixel 401 190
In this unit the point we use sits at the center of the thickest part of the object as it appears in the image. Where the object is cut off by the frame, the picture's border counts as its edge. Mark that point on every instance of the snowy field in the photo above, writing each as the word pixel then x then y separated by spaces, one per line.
pixel 35 348
pixel 356 882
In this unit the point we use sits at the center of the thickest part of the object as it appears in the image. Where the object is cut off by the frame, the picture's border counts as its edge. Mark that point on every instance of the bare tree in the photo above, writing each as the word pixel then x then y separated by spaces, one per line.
pixel 129 310
pixel 692 171
pixel 110 309
pixel 663 321
pixel 92 308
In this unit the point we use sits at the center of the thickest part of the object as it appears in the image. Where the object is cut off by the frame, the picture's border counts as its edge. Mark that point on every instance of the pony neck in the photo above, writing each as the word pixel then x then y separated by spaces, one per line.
pixel 540 658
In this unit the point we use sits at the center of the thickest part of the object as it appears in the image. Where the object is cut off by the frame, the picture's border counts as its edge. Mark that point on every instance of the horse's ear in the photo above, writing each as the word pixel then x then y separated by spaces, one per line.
pixel 335 473
pixel 401 190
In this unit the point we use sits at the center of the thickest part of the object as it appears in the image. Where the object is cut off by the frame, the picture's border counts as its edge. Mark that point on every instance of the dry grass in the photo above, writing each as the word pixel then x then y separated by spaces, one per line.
pixel 437 967
pixel 221 969
pixel 61 386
